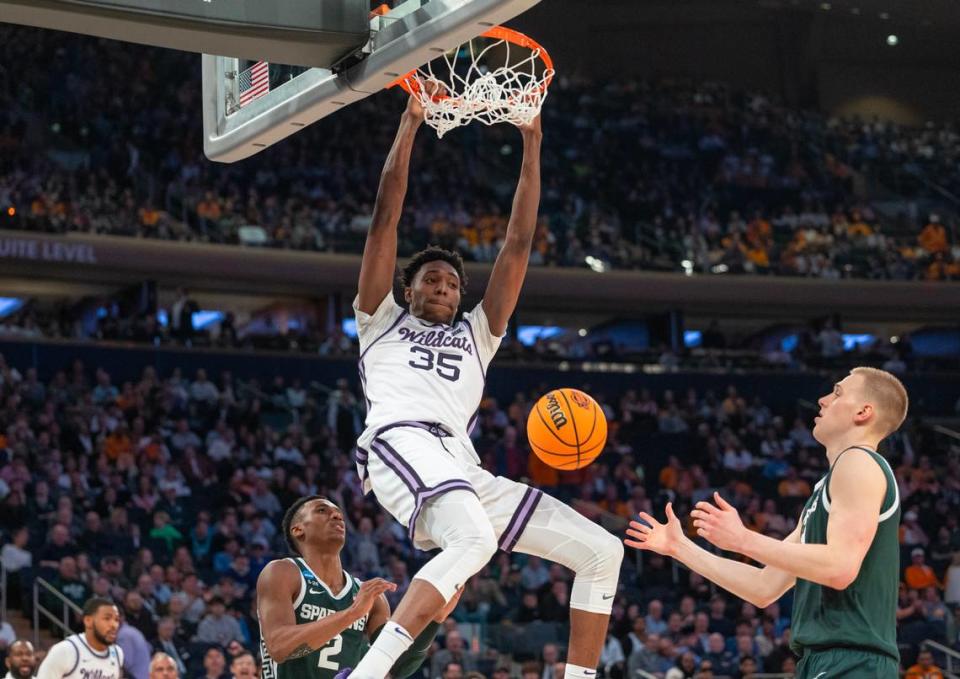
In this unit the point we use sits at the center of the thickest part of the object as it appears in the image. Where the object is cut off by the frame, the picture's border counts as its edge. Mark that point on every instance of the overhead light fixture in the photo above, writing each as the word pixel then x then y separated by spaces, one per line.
pixel 826 6
pixel 884 15
pixel 9 304
pixel 596 264
pixel 892 40
pixel 855 11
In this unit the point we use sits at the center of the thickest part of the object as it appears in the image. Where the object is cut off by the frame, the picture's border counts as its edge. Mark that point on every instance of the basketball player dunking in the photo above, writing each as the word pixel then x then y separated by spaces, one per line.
pixel 843 558
pixel 423 373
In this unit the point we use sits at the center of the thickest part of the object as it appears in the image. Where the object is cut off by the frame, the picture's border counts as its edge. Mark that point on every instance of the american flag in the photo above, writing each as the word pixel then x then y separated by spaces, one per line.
pixel 254 82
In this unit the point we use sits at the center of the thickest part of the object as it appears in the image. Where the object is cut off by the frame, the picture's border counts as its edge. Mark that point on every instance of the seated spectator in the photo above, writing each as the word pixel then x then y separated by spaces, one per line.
pixel 214 664
pixel 647 658
pixel 951 595
pixel 138 615
pixel 748 666
pixel 653 621
pixel 454 651
pixel 164 534
pixel 722 660
pixel 933 238
pixel 218 627
pixel 685 667
pixel 534 574
pixel 243 666
pixel 58 546
pixel 167 643
pixel 924 667
pixel 793 486
pixel 68 582
pixel 453 670
pixel 918 574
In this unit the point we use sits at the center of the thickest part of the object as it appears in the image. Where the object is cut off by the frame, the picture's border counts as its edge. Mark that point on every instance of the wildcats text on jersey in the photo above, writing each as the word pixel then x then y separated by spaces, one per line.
pixel 411 370
pixel 436 338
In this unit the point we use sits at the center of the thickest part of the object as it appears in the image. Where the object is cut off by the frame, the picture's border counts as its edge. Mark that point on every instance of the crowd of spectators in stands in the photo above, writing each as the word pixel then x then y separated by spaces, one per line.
pixel 818 345
pixel 165 494
pixel 104 137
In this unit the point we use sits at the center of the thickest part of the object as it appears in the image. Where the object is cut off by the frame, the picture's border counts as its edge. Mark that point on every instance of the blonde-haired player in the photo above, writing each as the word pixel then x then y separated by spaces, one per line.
pixel 844 556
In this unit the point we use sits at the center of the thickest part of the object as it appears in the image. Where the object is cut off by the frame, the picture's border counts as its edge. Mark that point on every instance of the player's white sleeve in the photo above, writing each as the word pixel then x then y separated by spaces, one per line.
pixel 62 659
pixel 371 326
pixel 120 658
pixel 487 342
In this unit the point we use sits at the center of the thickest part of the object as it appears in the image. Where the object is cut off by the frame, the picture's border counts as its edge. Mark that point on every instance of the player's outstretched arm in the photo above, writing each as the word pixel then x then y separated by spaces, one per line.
pixel 380 251
pixel 506 279
pixel 759 586
pixel 857 488
pixel 277 587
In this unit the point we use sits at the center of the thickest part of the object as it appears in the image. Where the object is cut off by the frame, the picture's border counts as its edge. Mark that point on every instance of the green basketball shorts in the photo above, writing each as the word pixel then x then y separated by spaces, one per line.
pixel 846 663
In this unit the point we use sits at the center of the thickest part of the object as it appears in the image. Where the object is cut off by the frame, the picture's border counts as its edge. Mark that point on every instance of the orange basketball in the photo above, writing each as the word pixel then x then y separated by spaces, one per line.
pixel 567 429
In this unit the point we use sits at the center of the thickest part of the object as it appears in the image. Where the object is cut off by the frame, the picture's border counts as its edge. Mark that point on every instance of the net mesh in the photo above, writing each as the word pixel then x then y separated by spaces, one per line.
pixel 471 83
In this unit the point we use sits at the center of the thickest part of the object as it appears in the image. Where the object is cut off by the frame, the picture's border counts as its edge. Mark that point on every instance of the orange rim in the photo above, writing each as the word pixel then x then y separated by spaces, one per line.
pixel 409 84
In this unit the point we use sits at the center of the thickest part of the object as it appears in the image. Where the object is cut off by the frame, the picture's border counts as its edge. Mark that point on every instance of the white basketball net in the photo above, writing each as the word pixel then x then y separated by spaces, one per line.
pixel 510 93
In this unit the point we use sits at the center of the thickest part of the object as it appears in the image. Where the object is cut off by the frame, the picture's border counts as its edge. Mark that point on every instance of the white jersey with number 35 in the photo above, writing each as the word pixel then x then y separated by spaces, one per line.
pixel 427 372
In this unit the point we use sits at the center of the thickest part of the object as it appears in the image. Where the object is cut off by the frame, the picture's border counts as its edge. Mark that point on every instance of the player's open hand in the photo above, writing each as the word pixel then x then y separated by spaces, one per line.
pixel 370 591
pixel 447 610
pixel 662 538
pixel 719 524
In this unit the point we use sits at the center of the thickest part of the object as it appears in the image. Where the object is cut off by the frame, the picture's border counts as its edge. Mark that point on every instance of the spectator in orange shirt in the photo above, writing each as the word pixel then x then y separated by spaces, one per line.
pixel 941 268
pixel 758 231
pixel 670 474
pixel 918 574
pixel 933 238
pixel 759 257
pixel 542 474
pixel 149 215
pixel 924 669
pixel 118 443
pixel 793 485
pixel 613 504
pixel 858 227
pixel 209 207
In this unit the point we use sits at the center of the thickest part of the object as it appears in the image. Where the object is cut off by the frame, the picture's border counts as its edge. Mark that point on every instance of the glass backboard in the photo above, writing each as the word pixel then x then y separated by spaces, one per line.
pixel 250 105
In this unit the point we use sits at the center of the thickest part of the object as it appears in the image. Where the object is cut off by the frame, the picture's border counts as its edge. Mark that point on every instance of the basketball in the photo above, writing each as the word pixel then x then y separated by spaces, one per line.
pixel 567 429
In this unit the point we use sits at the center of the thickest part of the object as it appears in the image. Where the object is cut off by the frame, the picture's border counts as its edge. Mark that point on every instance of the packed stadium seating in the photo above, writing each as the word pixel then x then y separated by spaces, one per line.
pixel 688 176
pixel 165 493
pixel 152 465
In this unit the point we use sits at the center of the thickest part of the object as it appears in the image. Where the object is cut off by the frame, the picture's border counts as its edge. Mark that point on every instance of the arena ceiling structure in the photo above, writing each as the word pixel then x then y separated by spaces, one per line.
pixel 832 55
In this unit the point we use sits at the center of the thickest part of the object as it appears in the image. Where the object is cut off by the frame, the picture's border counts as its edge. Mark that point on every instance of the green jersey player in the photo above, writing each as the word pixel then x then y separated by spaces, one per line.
pixel 843 557
pixel 316 620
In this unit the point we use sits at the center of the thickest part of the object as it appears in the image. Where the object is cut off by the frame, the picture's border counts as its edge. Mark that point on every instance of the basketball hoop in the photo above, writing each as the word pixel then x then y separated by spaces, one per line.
pixel 499 77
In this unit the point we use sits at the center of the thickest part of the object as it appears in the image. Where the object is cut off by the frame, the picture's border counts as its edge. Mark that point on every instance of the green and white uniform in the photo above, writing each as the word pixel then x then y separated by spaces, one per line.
pixel 852 632
pixel 316 601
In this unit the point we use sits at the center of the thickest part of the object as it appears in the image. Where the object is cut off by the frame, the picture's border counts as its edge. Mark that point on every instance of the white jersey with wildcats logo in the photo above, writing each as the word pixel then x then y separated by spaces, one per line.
pixel 73 658
pixel 412 370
